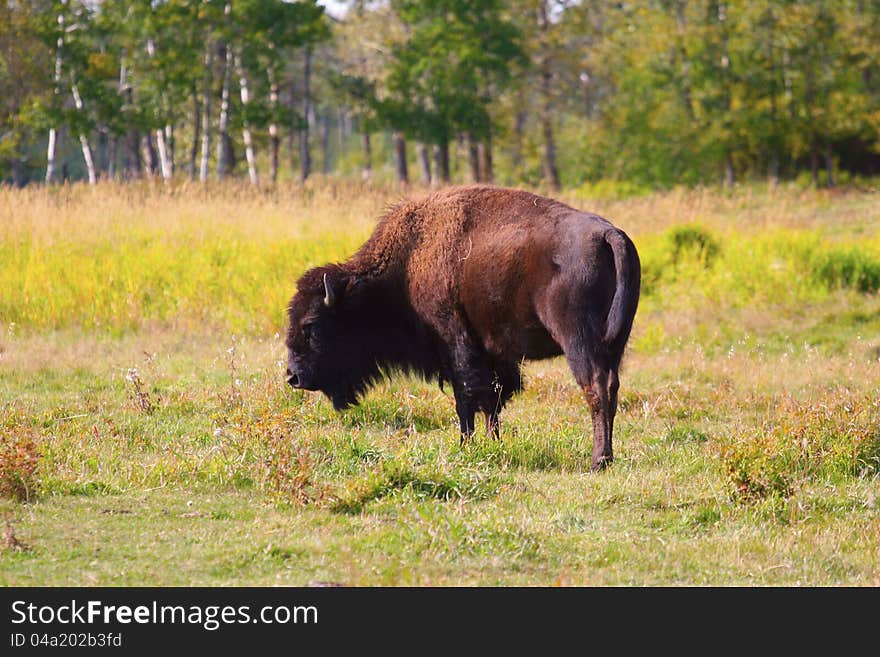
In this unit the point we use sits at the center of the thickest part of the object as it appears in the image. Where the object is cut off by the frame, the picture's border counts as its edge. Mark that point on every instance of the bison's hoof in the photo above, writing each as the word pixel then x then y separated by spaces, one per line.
pixel 601 463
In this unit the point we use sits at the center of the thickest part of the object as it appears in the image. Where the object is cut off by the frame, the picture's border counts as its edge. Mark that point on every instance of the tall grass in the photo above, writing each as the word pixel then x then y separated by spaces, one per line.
pixel 697 267
pixel 117 258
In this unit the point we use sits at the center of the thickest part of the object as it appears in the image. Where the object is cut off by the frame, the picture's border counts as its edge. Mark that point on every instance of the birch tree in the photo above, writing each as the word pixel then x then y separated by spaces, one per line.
pixel 57 102
pixel 83 136
pixel 245 130
pixel 223 122
pixel 206 113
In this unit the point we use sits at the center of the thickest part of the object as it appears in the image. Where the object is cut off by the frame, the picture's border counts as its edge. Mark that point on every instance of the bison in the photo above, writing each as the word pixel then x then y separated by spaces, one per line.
pixel 461 287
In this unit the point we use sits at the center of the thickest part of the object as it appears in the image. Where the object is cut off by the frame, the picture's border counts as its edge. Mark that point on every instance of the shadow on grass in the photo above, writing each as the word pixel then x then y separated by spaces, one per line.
pixel 528 450
pixel 422 482
pixel 387 413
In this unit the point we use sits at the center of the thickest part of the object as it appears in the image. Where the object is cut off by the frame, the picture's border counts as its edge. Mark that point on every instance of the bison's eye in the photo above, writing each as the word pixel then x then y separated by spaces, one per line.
pixel 308 331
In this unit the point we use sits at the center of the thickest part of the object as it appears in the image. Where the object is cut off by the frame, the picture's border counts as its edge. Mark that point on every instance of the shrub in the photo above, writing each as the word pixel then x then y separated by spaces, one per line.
pixel 829 439
pixel 681 252
pixel 693 242
pixel 846 267
pixel 263 447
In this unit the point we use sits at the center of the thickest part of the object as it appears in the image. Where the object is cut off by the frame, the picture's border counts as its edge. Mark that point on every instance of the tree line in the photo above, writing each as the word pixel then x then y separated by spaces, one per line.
pixel 553 92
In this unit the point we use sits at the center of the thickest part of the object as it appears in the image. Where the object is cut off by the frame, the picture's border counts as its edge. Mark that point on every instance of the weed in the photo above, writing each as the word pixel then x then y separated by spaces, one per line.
pixel 141 396
pixel 19 463
pixel 847 267
pixel 679 434
pixel 11 542
pixel 288 472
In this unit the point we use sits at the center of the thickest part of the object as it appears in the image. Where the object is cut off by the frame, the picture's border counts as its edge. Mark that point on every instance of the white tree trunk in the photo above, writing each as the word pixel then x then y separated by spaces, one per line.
pixel 87 156
pixel 206 121
pixel 53 132
pixel 223 125
pixel 50 155
pixel 84 140
pixel 161 143
pixel 245 130
pixel 164 159
pixel 274 137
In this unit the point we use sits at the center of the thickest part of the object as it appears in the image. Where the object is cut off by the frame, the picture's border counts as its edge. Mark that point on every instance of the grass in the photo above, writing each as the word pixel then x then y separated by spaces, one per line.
pixel 147 437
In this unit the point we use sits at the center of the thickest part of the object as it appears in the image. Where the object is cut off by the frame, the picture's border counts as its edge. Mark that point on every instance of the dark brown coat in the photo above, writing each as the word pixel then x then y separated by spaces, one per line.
pixel 462 286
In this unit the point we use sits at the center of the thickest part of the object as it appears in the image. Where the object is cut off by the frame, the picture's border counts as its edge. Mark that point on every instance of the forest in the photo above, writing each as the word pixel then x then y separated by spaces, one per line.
pixel 642 95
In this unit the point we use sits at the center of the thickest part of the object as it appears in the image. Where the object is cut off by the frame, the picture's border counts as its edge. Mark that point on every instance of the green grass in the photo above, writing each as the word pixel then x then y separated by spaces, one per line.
pixel 747 441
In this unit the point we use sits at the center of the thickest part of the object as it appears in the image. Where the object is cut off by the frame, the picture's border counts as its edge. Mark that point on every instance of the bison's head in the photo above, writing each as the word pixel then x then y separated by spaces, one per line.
pixel 322 339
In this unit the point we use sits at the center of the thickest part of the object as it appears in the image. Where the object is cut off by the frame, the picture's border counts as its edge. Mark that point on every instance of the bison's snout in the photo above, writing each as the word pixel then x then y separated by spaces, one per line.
pixel 300 379
pixel 293 379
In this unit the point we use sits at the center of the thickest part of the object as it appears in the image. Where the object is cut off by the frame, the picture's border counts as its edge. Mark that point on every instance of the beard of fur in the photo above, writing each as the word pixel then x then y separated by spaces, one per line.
pixel 352 379
pixel 379 334
pixel 379 355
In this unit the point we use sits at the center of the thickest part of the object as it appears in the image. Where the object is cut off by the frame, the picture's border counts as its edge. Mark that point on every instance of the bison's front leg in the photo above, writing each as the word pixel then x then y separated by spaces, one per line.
pixel 466 409
pixel 471 383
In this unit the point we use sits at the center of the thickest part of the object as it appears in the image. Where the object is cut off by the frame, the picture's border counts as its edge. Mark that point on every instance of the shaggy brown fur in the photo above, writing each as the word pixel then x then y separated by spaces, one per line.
pixel 462 286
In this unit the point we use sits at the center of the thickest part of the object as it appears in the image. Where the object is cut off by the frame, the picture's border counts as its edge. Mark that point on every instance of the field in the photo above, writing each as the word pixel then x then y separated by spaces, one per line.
pixel 146 436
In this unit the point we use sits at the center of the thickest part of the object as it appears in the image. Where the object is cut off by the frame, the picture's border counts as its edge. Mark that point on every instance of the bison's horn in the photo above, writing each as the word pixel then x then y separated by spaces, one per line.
pixel 329 295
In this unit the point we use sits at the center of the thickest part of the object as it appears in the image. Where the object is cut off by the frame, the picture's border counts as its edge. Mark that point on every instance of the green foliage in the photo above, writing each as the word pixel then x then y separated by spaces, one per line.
pixel 24 86
pixel 689 93
pixel 441 78
pixel 685 252
pixel 650 94
pixel 692 241
pixel 608 189
pixel 846 267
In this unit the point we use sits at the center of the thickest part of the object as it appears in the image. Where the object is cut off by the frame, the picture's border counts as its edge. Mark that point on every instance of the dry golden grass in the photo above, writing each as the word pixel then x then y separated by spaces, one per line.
pixel 92 213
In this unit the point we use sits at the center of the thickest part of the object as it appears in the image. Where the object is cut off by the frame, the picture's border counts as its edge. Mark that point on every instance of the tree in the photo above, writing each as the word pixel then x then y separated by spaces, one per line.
pixel 269 33
pixel 443 77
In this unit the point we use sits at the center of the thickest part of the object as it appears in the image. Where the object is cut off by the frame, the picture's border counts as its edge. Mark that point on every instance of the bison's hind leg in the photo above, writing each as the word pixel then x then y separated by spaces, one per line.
pixel 599 381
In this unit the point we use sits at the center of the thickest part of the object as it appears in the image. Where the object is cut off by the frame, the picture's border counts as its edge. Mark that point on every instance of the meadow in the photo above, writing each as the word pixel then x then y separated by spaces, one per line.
pixel 146 435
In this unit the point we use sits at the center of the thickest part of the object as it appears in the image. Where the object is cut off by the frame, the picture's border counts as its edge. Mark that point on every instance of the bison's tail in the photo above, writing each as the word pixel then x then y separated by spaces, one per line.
pixel 626 292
